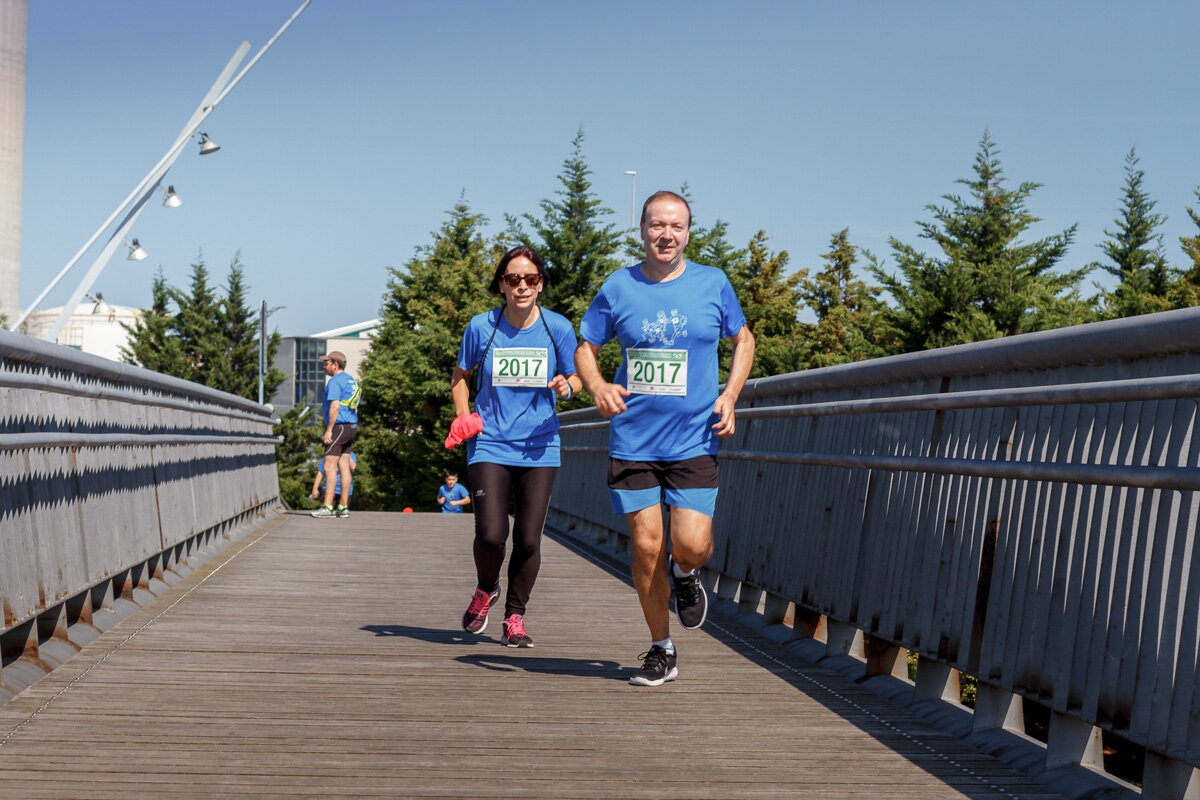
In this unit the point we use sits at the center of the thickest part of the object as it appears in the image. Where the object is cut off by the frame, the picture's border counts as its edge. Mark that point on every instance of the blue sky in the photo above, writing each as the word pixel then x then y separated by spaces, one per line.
pixel 344 147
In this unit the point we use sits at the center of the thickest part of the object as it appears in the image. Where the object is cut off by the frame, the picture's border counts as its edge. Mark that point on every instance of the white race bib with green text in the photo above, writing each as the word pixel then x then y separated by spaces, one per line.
pixel 520 366
pixel 652 371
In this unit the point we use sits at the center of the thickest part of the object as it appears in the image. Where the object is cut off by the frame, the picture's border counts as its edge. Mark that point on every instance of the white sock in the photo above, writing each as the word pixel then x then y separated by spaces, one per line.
pixel 665 644
pixel 679 573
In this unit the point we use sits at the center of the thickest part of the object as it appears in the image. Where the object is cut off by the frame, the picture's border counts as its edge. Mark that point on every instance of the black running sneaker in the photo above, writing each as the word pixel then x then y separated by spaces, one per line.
pixel 658 667
pixel 691 601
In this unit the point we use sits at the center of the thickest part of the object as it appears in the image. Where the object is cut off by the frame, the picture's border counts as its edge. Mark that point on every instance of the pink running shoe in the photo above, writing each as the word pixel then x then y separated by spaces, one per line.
pixel 475 619
pixel 514 632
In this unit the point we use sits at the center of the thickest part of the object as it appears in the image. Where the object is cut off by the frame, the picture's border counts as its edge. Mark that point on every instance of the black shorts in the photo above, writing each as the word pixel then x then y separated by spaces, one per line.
pixel 691 483
pixel 344 434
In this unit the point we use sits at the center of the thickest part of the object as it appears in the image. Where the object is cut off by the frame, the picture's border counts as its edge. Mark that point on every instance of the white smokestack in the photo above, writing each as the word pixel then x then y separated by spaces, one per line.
pixel 14 23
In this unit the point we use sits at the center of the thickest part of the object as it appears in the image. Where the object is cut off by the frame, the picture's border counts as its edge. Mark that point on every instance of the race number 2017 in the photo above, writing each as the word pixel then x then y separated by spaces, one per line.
pixel 520 366
pixel 657 371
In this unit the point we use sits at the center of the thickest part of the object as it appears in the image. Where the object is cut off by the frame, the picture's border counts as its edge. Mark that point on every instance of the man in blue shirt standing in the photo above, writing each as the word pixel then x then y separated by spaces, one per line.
pixel 453 496
pixel 342 394
pixel 669 316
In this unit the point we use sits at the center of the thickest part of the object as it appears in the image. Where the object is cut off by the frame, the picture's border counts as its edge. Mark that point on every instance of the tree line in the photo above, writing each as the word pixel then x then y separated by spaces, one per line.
pixel 970 277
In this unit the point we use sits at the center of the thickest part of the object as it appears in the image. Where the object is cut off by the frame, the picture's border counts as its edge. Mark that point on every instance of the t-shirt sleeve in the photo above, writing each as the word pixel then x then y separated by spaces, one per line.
pixel 597 324
pixel 732 318
pixel 331 391
pixel 565 344
pixel 467 348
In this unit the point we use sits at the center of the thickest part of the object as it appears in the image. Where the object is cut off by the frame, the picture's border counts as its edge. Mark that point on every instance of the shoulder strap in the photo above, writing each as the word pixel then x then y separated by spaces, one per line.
pixel 479 364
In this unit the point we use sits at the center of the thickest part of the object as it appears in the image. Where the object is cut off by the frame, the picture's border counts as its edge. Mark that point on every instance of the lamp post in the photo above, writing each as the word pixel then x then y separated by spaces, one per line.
pixel 632 199
pixel 633 226
pixel 152 182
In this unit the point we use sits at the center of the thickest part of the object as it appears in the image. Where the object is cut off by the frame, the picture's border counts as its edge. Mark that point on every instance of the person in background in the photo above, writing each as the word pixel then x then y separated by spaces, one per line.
pixel 337 487
pixel 342 394
pixel 453 496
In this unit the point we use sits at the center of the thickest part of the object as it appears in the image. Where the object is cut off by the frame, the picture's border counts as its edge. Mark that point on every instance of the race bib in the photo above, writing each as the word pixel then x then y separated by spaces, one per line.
pixel 657 371
pixel 520 367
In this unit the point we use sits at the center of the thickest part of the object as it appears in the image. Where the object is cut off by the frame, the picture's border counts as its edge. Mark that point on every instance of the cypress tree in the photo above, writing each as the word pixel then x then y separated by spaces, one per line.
pixel 152 343
pixel 850 322
pixel 1185 290
pixel 986 282
pixel 1136 252
pixel 579 248
pixel 406 375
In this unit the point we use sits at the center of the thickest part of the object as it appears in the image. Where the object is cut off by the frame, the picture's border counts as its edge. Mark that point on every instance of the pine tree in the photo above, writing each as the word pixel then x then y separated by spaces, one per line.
pixel 212 340
pixel 850 322
pixel 234 365
pixel 770 299
pixel 1185 290
pixel 151 341
pixel 1136 252
pixel 579 249
pixel 406 375
pixel 986 283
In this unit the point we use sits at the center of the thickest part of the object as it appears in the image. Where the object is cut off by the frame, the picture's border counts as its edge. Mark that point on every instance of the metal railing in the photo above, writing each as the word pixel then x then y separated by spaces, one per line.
pixel 1023 510
pixel 114 482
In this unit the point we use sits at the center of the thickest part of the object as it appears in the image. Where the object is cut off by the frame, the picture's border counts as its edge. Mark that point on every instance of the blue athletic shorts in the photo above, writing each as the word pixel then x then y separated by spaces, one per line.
pixel 691 483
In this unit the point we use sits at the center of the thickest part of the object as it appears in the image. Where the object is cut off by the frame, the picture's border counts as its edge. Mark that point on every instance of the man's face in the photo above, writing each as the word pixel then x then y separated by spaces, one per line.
pixel 450 481
pixel 665 231
pixel 330 367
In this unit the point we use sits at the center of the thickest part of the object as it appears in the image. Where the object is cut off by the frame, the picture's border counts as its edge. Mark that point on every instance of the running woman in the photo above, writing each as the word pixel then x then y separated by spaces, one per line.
pixel 669 315
pixel 512 438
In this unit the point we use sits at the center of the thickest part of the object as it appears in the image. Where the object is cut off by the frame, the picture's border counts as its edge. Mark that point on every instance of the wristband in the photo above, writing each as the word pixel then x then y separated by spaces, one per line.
pixel 570 392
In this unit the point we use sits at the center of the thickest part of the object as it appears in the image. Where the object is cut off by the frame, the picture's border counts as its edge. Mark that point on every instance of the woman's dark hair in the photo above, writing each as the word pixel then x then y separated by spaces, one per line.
pixel 520 251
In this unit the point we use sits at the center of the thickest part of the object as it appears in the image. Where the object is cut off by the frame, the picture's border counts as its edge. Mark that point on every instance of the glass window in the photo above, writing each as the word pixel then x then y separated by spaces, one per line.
pixel 310 372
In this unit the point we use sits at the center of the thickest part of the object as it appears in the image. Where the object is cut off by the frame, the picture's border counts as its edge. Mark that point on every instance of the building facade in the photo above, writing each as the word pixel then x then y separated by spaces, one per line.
pixel 299 358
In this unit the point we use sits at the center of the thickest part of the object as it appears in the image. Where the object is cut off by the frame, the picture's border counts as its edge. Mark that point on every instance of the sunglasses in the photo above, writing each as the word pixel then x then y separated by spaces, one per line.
pixel 532 280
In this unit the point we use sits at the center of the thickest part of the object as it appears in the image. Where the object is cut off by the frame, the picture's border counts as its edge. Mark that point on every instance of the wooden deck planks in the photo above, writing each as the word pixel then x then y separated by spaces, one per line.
pixel 323 658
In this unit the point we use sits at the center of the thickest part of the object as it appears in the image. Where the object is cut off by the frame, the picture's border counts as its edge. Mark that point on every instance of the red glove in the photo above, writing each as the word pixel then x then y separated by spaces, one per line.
pixel 464 427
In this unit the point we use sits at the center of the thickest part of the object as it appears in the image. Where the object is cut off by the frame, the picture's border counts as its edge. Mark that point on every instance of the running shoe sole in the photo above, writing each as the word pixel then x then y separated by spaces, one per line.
pixel 637 680
pixel 504 641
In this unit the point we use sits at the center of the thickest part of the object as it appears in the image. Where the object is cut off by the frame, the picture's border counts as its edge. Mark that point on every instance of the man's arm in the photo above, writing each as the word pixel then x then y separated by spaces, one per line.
pixel 609 397
pixel 441 497
pixel 739 371
pixel 466 499
pixel 316 485
pixel 334 405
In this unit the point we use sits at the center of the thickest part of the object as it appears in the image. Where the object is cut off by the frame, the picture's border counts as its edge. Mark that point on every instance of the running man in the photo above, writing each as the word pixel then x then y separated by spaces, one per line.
pixel 342 394
pixel 452 495
pixel 669 316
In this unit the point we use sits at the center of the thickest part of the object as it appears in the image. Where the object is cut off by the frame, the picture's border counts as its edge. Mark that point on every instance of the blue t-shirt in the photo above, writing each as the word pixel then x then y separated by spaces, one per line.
pixel 457 493
pixel 519 425
pixel 691 313
pixel 343 388
pixel 337 474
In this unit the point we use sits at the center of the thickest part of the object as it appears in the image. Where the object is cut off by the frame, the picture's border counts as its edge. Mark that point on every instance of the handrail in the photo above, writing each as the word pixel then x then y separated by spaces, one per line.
pixel 21 349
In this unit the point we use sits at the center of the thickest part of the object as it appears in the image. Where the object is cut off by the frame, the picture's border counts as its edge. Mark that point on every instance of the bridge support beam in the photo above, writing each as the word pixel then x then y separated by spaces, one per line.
pixel 997 708
pixel 936 681
pixel 1073 741
pixel 1166 778
pixel 885 658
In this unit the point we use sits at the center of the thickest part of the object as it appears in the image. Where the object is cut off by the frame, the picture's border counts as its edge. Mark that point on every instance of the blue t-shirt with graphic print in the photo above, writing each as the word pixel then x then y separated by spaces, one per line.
pixel 459 492
pixel 343 388
pixel 691 313
pixel 519 424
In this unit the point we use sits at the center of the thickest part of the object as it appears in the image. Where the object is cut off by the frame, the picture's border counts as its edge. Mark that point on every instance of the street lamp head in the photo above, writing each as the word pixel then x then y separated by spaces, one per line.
pixel 631 172
pixel 136 253
pixel 207 145
pixel 172 200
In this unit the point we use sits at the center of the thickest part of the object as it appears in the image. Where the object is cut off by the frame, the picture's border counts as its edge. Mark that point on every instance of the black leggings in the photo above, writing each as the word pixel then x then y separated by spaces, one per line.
pixel 491 487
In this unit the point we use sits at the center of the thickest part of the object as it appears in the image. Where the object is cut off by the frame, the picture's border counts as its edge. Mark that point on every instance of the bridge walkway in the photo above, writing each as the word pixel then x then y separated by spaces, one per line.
pixel 323 658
